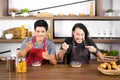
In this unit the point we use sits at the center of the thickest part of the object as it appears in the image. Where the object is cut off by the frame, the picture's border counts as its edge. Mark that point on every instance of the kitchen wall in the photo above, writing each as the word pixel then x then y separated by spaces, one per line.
pixel 5 24
pixel 40 4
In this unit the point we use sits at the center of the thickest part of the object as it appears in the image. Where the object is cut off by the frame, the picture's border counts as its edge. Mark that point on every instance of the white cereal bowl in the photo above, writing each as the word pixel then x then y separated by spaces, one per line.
pixel 76 64
pixel 35 64
pixel 8 36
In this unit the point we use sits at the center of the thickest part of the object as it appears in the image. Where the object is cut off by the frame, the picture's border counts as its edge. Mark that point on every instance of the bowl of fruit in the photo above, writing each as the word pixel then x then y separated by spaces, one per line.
pixel 109 68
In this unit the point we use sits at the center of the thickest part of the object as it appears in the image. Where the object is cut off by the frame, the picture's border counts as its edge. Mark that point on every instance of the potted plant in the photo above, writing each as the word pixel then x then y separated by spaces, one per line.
pixel 25 12
pixel 110 12
pixel 13 11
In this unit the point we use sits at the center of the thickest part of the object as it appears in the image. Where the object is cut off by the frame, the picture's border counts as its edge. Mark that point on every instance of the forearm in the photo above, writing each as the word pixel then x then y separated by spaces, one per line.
pixel 52 59
pixel 99 55
pixel 95 51
pixel 61 54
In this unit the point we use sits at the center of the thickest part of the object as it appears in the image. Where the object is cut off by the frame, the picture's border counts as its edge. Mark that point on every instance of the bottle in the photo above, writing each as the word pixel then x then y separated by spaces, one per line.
pixel 11 63
pixel 22 32
pixel 91 9
pixel 21 65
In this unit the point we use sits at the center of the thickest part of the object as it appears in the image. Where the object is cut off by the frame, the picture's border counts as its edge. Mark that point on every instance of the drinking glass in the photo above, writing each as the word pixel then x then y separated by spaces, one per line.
pixel 100 32
pixel 111 34
pixel 105 34
pixel 99 35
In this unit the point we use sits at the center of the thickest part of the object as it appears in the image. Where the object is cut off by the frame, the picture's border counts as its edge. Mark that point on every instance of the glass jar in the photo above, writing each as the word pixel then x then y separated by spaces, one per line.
pixel 21 65
pixel 11 63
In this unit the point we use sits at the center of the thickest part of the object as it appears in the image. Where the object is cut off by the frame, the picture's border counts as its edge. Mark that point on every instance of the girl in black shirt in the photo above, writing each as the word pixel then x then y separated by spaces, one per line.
pixel 79 46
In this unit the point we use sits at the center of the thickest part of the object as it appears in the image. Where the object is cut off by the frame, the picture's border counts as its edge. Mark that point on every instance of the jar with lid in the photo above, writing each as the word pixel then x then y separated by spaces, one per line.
pixel 11 63
pixel 21 65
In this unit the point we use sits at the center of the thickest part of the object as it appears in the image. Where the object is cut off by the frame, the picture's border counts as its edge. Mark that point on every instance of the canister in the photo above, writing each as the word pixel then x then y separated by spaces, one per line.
pixel 10 63
pixel 21 65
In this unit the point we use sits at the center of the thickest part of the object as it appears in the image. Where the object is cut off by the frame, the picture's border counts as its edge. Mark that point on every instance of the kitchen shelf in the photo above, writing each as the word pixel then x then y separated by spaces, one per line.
pixel 95 40
pixel 21 17
pixel 106 40
pixel 11 40
pixel 61 40
pixel 64 17
pixel 87 18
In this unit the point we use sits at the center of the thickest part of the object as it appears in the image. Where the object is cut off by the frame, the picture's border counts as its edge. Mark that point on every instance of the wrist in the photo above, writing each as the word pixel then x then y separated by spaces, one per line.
pixel 64 51
pixel 49 58
pixel 96 51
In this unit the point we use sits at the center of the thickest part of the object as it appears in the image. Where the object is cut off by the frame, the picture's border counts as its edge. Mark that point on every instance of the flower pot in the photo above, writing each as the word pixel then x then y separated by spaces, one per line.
pixel 13 14
pixel 110 14
pixel 25 14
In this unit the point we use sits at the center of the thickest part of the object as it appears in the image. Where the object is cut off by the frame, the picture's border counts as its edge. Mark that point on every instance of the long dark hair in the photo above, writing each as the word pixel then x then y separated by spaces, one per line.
pixel 81 26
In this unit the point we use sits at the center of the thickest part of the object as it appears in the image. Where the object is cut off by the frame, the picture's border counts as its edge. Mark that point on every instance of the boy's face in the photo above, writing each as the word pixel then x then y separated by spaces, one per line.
pixel 40 32
pixel 79 35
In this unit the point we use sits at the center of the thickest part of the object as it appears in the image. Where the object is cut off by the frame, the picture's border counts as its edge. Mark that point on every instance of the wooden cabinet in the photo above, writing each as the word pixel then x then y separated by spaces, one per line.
pixel 99 16
pixel 3 7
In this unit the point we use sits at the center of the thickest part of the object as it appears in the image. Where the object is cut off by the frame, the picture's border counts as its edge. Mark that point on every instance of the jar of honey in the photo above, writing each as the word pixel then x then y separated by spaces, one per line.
pixel 21 65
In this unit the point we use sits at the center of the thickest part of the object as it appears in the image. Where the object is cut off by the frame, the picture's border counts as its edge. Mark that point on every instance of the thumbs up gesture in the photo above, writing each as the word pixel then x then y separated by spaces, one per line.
pixel 45 54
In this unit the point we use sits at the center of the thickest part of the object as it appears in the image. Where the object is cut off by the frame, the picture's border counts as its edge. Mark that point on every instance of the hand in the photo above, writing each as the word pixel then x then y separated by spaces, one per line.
pixel 91 48
pixel 19 54
pixel 65 46
pixel 45 54
pixel 29 45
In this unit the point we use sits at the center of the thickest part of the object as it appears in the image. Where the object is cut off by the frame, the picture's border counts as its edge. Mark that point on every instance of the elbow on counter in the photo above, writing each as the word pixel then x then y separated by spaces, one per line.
pixel 53 63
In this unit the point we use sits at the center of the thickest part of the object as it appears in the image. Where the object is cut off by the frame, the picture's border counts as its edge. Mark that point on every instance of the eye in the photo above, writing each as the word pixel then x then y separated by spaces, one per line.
pixel 42 31
pixel 37 31
pixel 82 34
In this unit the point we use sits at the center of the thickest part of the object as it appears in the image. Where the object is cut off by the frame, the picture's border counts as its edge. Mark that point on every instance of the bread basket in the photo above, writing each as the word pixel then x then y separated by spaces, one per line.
pixel 109 72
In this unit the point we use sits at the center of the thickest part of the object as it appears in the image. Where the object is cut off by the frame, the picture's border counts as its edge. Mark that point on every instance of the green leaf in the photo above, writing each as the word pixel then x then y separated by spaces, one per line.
pixel 25 10
pixel 114 53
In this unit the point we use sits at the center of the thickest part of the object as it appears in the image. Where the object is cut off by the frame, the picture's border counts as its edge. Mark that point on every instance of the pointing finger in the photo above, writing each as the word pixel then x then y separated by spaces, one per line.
pixel 87 46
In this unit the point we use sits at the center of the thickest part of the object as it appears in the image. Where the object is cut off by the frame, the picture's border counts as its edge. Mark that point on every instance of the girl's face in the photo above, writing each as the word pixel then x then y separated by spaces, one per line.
pixel 40 33
pixel 79 35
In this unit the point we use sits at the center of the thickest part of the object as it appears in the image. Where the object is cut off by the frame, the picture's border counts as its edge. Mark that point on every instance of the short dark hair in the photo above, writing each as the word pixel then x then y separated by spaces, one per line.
pixel 81 26
pixel 40 23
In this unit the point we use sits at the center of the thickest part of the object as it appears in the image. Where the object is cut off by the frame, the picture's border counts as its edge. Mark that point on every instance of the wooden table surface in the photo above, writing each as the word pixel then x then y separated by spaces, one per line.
pixel 57 72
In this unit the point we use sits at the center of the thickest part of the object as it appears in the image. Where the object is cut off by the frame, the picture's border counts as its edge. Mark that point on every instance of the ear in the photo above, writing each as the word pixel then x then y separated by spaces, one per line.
pixel 73 33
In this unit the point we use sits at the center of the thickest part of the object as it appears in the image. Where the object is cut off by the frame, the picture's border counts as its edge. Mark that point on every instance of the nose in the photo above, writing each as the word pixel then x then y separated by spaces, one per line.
pixel 39 33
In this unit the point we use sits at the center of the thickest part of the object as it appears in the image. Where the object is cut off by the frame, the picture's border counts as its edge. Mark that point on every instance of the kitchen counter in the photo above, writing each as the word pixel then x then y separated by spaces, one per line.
pixel 57 72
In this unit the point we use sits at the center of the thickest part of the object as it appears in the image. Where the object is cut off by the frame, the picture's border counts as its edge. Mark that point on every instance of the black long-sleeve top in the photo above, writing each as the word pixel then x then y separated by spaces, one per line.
pixel 69 41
